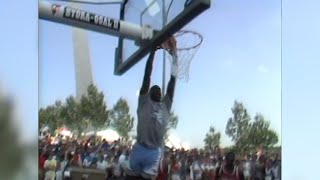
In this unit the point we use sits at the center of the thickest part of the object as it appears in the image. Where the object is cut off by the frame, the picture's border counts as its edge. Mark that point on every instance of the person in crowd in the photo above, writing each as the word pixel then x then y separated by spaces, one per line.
pixel 184 166
pixel 268 170
pixel 276 167
pixel 228 170
pixel 164 166
pixel 50 166
pixel 209 169
pixel 124 164
pixel 62 164
pixel 175 170
pixel 259 170
pixel 102 163
pixel 197 168
pixel 104 145
pixel 116 168
pixel 42 158
pixel 247 167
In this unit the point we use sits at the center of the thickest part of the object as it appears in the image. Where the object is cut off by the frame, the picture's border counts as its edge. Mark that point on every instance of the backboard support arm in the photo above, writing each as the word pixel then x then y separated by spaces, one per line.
pixel 95 2
pixel 94 22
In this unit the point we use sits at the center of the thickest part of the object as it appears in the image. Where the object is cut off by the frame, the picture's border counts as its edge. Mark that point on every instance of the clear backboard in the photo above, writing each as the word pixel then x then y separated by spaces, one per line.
pixel 166 17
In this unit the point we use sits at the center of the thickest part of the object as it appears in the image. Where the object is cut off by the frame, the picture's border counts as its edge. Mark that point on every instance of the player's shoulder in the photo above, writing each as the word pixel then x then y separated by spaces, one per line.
pixel 144 96
pixel 167 98
pixel 143 99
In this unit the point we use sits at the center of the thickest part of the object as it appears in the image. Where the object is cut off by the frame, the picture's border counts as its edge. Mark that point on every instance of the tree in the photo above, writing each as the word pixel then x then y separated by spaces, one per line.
pixel 248 135
pixel 51 116
pixel 43 120
pixel 230 149
pixel 121 119
pixel 172 123
pixel 71 114
pixel 212 138
pixel 260 133
pixel 239 123
pixel 93 107
pixel 12 153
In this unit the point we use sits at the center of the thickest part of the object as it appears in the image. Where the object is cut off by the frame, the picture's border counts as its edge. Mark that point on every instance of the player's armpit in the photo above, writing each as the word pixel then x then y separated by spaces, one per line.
pixel 142 100
pixel 168 102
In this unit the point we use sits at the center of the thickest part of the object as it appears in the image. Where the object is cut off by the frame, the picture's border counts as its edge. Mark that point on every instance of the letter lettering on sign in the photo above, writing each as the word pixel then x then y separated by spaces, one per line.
pixel 67 12
pixel 93 19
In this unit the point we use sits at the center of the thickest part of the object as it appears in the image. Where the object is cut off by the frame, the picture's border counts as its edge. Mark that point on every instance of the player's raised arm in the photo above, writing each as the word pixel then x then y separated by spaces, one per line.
pixel 147 74
pixel 171 87
pixel 171 46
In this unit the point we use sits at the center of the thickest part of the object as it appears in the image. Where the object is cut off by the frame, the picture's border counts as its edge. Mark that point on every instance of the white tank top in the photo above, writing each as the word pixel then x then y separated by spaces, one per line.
pixel 268 174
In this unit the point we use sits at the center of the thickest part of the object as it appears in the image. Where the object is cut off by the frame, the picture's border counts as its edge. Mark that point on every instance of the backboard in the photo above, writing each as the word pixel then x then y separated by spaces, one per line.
pixel 166 17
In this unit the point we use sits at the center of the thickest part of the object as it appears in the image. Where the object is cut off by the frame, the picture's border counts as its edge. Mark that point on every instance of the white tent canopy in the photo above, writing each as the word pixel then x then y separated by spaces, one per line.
pixel 174 142
pixel 109 134
pixel 65 132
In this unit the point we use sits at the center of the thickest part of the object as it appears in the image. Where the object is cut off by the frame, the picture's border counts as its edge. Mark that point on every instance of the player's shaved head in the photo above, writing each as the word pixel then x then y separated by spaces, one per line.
pixel 155 93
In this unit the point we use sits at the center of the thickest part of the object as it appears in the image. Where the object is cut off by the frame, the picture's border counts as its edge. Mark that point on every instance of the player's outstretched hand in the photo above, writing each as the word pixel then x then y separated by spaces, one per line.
pixel 170 45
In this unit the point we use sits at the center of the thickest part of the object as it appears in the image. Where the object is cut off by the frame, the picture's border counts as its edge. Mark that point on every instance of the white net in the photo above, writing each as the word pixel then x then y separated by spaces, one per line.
pixel 188 43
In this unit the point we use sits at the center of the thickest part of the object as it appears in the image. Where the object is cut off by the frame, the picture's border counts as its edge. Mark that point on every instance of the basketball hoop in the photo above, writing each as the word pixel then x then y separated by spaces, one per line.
pixel 188 43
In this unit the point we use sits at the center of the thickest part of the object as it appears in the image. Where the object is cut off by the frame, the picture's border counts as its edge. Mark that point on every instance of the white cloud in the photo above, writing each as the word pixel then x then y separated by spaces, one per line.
pixel 263 69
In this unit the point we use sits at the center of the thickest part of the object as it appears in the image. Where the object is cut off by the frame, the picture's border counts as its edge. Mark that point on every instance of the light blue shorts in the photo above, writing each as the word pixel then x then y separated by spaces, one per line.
pixel 144 161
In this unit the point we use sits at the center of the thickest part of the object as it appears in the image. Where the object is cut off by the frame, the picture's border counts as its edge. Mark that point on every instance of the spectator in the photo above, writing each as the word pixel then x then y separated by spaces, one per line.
pixel 268 170
pixel 50 166
pixel 197 169
pixel 102 163
pixel 247 167
pixel 229 170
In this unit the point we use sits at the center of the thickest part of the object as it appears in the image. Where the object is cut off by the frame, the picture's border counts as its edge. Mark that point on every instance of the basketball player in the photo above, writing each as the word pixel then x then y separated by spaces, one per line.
pixel 153 115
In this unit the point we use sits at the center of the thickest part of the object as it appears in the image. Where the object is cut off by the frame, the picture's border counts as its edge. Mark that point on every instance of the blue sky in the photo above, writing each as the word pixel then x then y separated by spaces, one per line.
pixel 240 59
pixel 300 77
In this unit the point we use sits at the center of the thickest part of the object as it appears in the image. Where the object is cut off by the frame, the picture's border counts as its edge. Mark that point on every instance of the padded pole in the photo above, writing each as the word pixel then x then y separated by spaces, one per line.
pixel 91 21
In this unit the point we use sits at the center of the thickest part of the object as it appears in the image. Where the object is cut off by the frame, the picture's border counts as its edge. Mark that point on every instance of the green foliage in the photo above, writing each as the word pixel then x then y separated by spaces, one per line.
pixel 76 115
pixel 274 149
pixel 172 123
pixel 72 118
pixel 249 135
pixel 230 149
pixel 238 124
pixel 51 116
pixel 212 138
pixel 93 108
pixel 12 153
pixel 260 133
pixel 121 119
